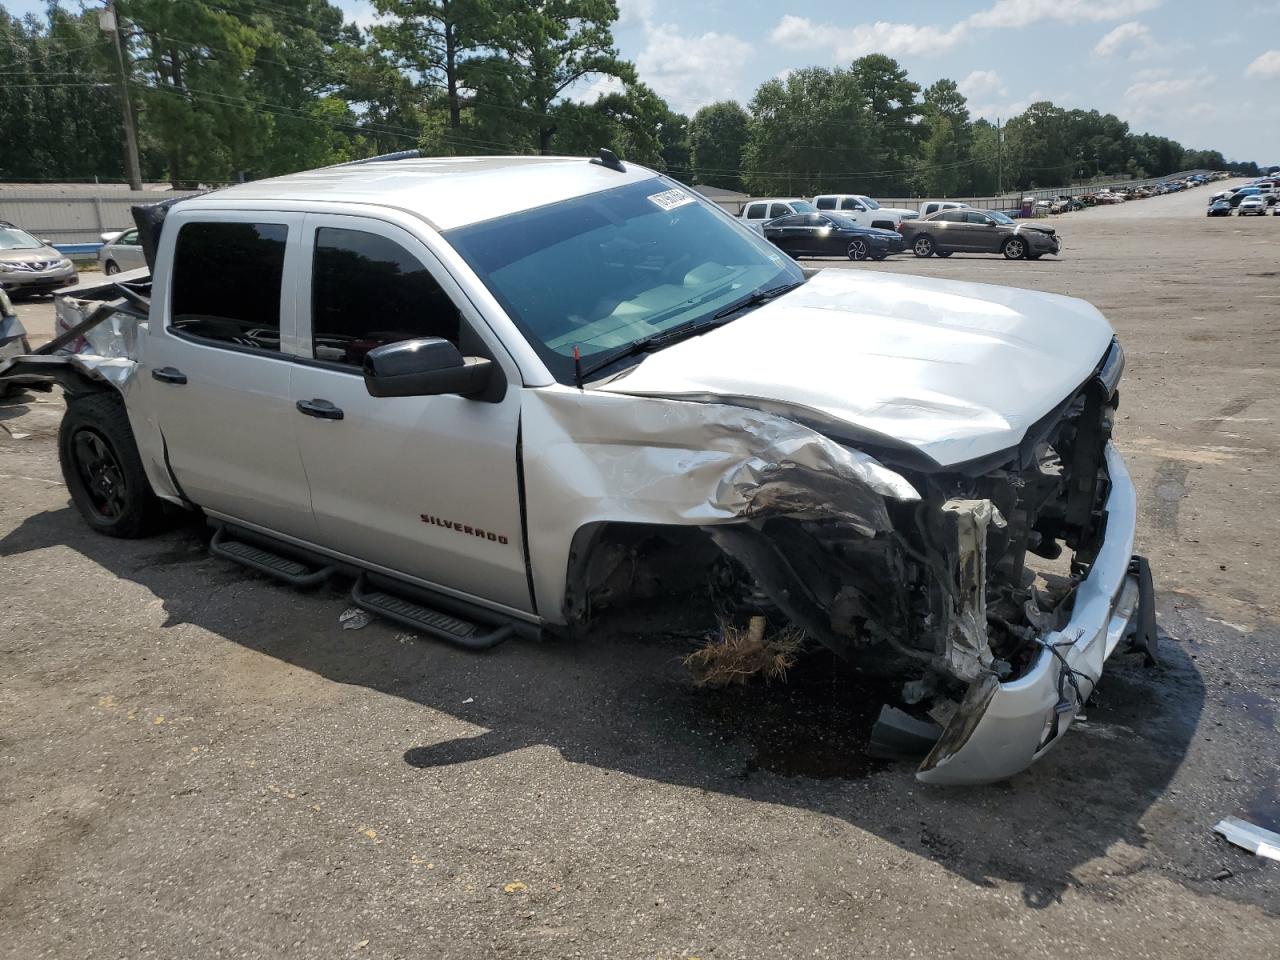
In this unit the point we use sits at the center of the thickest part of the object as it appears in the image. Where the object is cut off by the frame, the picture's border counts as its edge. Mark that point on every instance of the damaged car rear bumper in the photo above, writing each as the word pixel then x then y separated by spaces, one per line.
pixel 1002 728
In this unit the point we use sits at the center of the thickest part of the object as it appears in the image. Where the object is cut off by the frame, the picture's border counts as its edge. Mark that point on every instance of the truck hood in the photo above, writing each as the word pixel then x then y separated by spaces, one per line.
pixel 954 370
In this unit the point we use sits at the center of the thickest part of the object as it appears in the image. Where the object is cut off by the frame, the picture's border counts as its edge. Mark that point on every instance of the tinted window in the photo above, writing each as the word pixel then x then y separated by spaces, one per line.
pixel 756 211
pixel 367 290
pixel 803 206
pixel 816 220
pixel 778 210
pixel 826 203
pixel 843 223
pixel 791 221
pixel 226 282
pixel 975 218
pixel 848 203
pixel 128 239
pixel 950 216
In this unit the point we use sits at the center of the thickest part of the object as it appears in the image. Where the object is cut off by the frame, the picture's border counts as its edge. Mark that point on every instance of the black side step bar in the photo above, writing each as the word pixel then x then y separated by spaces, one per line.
pixel 1145 638
pixel 417 615
pixel 290 571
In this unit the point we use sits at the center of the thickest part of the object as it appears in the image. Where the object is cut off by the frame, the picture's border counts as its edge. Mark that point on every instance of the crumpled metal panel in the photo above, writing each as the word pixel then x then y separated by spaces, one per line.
pixel 968 652
pixel 116 337
pixel 595 457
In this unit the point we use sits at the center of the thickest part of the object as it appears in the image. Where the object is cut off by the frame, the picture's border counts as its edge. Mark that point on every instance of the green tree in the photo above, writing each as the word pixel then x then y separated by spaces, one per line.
pixel 809 133
pixel 717 138
pixel 947 140
pixel 895 134
pixel 545 48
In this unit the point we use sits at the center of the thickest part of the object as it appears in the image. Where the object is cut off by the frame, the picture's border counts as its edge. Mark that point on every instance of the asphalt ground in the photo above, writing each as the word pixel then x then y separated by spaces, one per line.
pixel 196 762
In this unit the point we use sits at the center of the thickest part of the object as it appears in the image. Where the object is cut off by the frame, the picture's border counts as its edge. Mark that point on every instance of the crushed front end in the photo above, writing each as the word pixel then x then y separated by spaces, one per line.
pixel 997 653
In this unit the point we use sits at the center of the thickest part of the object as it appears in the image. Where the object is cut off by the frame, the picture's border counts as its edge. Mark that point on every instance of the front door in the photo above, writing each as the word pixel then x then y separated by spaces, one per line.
pixel 217 362
pixel 422 486
pixel 983 233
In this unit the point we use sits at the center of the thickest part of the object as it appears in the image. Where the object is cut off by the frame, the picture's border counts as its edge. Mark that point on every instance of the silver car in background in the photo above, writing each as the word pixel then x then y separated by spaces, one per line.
pixel 28 265
pixel 121 251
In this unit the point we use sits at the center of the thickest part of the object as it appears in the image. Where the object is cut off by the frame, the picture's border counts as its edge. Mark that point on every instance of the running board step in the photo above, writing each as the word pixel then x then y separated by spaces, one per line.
pixel 417 616
pixel 290 571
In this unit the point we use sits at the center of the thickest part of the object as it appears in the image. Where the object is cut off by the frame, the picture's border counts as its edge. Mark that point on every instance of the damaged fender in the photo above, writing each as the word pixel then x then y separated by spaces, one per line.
pixel 594 457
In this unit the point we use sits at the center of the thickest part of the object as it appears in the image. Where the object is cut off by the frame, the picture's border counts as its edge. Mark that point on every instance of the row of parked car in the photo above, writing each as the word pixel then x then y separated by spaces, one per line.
pixel 1252 199
pixel 857 227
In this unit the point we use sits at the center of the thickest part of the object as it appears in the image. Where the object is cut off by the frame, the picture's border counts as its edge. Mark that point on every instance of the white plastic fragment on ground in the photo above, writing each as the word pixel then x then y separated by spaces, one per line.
pixel 1250 837
pixel 353 618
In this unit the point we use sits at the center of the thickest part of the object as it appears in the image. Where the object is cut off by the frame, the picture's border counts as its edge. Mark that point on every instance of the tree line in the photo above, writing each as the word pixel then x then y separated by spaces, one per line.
pixel 233 89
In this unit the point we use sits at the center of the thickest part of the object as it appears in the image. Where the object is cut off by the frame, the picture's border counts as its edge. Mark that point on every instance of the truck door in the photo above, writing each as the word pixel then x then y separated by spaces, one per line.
pixel 422 486
pixel 216 365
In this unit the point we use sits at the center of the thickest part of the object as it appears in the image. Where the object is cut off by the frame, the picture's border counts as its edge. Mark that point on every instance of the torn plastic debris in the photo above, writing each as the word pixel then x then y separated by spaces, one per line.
pixel 899 736
pixel 1250 836
pixel 353 618
pixel 968 650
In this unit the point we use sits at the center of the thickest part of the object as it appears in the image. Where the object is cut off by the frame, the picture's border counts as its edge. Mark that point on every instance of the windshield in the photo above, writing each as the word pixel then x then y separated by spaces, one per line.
pixel 599 272
pixel 997 216
pixel 11 238
pixel 870 203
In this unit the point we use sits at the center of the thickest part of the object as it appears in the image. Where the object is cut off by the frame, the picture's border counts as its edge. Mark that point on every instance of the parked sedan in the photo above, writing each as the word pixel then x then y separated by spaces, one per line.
pixel 121 251
pixel 831 235
pixel 1221 207
pixel 1255 206
pixel 979 231
pixel 28 265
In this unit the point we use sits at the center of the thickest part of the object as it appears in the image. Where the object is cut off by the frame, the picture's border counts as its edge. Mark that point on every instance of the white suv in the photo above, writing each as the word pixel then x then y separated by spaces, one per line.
pixel 497 420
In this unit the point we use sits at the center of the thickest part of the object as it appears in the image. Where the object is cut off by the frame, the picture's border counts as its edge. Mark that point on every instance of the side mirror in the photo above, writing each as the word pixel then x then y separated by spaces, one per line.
pixel 427 367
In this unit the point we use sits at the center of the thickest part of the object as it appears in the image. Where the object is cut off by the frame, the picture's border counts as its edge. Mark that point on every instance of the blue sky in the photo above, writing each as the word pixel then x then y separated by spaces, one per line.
pixel 1206 74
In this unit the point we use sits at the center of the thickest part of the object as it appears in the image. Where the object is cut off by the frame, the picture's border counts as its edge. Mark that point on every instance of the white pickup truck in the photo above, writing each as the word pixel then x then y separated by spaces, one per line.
pixel 483 413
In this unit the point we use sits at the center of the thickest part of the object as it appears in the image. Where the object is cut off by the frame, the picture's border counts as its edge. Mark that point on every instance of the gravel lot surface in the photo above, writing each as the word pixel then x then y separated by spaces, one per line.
pixel 195 762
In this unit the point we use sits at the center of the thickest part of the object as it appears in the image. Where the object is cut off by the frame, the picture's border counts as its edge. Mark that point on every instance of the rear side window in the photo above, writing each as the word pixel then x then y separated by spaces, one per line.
pixel 367 290
pixel 128 239
pixel 826 203
pixel 756 211
pixel 226 282
pixel 848 203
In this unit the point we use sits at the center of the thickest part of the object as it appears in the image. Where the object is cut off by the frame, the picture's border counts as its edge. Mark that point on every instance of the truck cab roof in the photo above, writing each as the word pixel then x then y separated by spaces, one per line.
pixel 447 192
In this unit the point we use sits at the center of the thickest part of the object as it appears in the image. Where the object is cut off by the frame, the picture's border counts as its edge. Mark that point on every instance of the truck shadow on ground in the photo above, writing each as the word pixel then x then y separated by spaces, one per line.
pixel 625 703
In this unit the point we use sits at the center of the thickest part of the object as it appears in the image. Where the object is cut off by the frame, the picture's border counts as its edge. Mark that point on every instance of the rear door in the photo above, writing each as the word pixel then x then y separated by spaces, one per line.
pixel 215 371
pixel 783 233
pixel 422 486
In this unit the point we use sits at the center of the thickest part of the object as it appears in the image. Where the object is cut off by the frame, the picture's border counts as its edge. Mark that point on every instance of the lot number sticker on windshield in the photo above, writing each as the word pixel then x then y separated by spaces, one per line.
pixel 670 199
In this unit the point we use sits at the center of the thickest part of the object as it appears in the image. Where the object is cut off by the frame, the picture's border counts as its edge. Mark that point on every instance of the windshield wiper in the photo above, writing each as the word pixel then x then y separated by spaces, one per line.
pixel 681 331
pixel 759 297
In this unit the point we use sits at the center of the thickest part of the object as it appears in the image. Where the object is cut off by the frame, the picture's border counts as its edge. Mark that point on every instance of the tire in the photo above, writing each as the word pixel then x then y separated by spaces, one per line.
pixel 1015 248
pixel 858 249
pixel 1034 256
pixel 923 246
pixel 943 253
pixel 103 471
pixel 877 257
pixel 110 268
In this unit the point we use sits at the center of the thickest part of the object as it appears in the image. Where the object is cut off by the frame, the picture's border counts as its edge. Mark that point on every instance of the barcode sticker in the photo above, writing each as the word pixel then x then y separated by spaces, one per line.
pixel 670 199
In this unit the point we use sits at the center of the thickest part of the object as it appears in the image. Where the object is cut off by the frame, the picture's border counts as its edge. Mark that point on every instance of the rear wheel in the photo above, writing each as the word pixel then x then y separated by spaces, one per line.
pixel 923 246
pixel 110 268
pixel 1015 248
pixel 943 253
pixel 103 470
pixel 858 249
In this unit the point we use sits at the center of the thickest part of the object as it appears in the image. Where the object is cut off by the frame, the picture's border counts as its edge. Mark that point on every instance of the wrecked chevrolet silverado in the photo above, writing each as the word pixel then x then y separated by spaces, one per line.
pixel 481 414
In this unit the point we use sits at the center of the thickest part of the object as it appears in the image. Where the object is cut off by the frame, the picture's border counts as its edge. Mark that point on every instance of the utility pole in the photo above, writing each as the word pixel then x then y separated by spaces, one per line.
pixel 108 23
pixel 999 160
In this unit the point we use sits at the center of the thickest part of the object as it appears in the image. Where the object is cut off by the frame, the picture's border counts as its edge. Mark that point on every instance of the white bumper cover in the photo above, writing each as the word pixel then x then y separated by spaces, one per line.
pixel 1022 720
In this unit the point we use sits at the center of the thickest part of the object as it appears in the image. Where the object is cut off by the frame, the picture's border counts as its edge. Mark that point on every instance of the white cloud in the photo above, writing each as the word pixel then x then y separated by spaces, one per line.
pixel 1134 40
pixel 635 11
pixel 690 72
pixel 1267 65
pixel 982 83
pixel 1023 13
pixel 599 86
pixel 848 43
pixel 360 13
pixel 900 39
pixel 1167 96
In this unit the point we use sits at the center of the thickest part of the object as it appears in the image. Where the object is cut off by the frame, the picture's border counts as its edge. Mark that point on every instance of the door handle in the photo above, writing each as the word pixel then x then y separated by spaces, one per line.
pixel 168 375
pixel 322 409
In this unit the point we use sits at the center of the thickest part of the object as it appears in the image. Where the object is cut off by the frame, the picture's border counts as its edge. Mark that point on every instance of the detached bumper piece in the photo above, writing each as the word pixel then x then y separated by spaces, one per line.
pixel 1002 728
